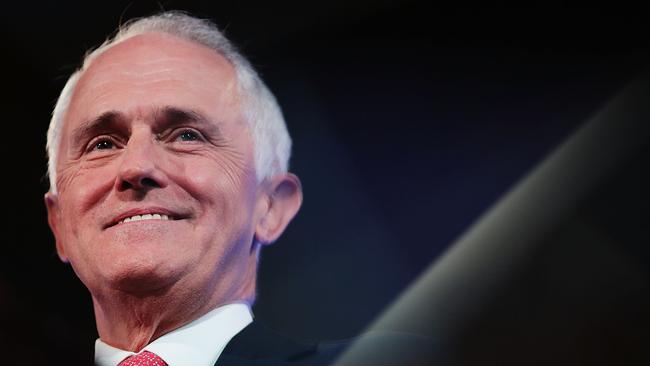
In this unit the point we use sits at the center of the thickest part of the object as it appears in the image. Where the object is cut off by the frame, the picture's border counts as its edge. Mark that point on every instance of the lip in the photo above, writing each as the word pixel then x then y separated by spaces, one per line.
pixel 173 215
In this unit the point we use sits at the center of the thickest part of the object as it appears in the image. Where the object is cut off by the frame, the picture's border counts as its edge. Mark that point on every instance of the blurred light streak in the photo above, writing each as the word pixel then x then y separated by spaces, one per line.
pixel 452 291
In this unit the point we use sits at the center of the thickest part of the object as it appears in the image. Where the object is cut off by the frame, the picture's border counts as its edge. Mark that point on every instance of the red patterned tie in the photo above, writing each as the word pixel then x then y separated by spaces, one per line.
pixel 144 358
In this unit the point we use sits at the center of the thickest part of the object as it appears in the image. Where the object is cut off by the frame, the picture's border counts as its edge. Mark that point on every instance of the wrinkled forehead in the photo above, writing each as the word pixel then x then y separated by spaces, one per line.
pixel 154 70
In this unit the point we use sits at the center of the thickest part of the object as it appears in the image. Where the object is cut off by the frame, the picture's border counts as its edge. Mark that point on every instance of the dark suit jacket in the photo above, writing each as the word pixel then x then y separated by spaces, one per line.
pixel 256 345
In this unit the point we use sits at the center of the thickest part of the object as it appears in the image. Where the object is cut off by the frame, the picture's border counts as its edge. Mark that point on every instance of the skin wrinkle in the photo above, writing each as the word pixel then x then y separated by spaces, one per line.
pixel 165 121
pixel 145 76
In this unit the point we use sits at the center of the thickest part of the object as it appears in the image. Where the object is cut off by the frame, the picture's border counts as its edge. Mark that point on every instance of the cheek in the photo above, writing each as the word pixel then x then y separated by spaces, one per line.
pixel 84 187
pixel 216 173
pixel 224 189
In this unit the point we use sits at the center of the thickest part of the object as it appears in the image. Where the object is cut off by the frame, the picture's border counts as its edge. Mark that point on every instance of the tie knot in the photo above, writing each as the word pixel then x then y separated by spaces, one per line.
pixel 144 358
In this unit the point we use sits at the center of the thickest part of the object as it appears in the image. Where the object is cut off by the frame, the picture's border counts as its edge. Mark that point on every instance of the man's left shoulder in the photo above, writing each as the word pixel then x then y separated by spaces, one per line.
pixel 257 345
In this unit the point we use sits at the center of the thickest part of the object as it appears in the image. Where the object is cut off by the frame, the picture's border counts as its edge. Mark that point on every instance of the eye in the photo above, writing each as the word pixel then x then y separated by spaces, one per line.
pixel 103 145
pixel 188 135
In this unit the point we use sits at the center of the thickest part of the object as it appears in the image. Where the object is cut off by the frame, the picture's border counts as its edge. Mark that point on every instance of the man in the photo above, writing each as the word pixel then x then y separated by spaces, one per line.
pixel 168 170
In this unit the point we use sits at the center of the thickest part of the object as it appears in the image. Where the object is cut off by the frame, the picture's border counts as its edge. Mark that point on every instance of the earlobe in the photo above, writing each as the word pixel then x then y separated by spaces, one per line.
pixel 52 204
pixel 284 195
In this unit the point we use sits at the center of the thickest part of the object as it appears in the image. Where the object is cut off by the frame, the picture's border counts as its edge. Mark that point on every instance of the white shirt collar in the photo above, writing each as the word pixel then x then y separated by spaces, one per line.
pixel 198 343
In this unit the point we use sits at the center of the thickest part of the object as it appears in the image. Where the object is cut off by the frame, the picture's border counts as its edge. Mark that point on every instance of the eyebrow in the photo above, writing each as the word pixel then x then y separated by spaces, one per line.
pixel 105 121
pixel 168 117
pixel 164 118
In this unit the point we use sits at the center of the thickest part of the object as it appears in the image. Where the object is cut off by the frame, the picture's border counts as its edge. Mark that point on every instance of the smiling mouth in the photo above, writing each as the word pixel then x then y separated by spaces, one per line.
pixel 154 216
pixel 145 215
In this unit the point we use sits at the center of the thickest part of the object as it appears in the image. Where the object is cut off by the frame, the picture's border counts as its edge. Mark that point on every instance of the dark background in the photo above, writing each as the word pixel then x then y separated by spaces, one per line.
pixel 408 121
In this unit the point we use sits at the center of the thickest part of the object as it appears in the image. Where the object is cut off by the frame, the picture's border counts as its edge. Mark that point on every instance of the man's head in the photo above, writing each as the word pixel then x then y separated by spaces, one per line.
pixel 168 160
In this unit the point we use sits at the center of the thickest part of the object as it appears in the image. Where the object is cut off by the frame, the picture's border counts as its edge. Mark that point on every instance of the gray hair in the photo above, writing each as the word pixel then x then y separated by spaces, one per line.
pixel 271 141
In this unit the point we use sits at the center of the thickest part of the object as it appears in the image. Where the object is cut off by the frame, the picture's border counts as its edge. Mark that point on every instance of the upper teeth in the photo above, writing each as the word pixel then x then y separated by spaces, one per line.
pixel 145 217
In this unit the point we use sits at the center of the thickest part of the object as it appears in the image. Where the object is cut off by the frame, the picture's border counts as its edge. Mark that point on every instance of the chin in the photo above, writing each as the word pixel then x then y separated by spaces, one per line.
pixel 142 279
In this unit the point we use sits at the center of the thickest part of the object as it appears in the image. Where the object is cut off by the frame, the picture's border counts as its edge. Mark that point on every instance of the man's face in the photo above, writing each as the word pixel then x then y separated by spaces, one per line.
pixel 156 181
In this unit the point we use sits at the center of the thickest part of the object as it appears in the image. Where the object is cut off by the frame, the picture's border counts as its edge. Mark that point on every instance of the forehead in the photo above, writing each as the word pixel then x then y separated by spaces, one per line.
pixel 149 71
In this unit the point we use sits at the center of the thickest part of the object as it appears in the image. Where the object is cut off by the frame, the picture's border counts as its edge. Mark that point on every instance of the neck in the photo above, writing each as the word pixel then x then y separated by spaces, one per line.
pixel 131 321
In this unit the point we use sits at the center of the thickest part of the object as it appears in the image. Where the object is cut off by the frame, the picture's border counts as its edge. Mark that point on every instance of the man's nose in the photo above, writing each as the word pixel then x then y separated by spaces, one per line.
pixel 140 167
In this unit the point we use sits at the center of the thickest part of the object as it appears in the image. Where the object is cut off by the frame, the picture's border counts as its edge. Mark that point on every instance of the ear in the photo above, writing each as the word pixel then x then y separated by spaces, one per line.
pixel 283 195
pixel 52 204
